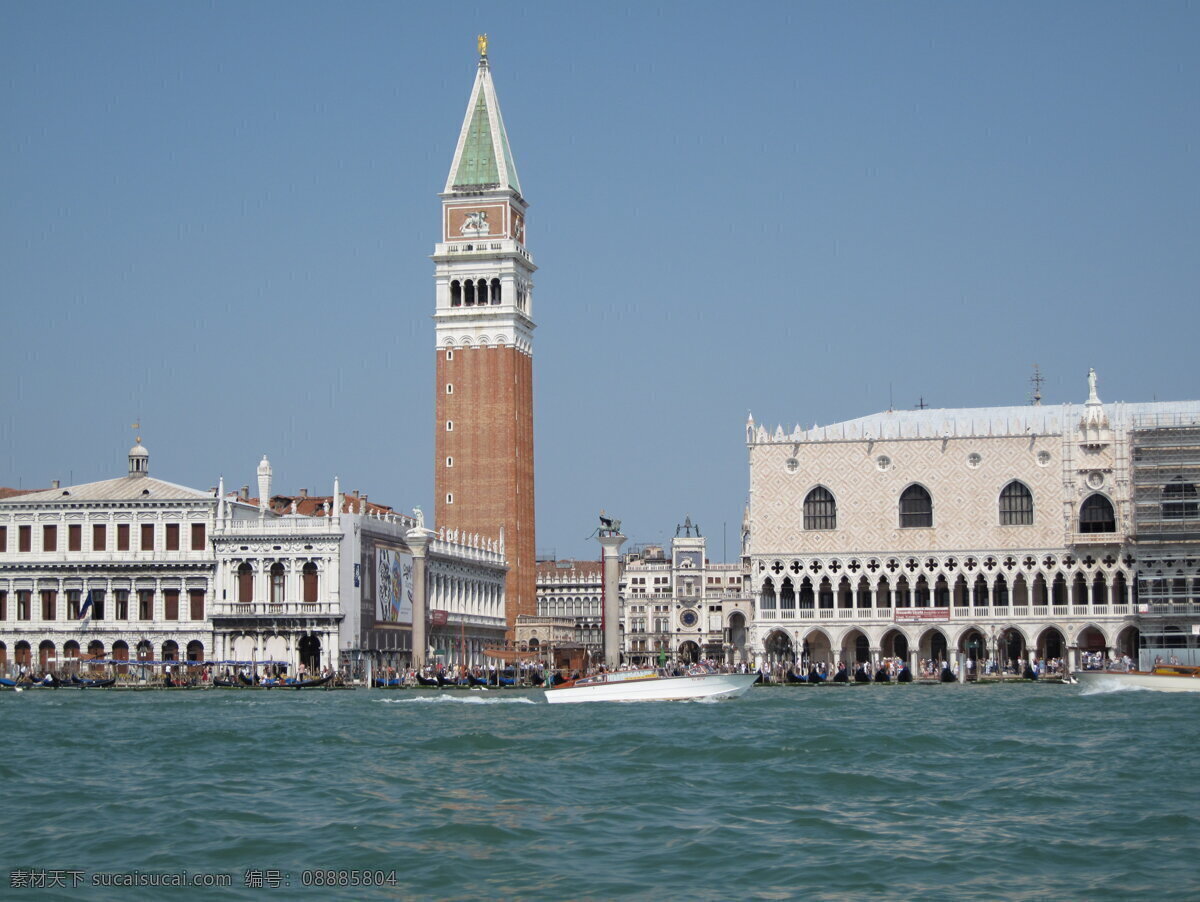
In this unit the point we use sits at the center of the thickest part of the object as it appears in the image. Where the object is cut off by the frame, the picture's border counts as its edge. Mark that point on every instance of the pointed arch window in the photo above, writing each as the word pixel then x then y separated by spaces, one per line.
pixel 768 595
pixel 916 507
pixel 1016 504
pixel 820 509
pixel 1096 515
pixel 1179 500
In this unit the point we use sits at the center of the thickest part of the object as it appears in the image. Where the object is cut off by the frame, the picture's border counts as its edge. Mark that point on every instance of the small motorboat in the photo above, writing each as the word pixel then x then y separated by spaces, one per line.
pixel 1163 678
pixel 650 686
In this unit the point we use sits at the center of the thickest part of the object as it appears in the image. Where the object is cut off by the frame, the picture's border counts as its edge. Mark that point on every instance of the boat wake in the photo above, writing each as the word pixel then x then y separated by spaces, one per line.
pixel 1108 687
pixel 455 700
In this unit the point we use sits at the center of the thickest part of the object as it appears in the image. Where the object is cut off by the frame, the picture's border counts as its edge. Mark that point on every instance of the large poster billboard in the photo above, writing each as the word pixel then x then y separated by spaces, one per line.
pixel 394 586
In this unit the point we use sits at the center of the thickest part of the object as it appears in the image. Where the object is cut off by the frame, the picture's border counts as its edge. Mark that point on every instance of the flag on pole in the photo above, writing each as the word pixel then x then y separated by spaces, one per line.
pixel 86 606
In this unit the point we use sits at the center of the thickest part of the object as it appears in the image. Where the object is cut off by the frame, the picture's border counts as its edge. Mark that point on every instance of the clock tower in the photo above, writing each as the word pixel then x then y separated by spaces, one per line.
pixel 483 444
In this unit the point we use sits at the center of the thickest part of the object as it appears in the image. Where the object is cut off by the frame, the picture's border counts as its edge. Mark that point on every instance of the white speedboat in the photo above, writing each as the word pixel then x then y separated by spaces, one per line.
pixel 1163 678
pixel 651 686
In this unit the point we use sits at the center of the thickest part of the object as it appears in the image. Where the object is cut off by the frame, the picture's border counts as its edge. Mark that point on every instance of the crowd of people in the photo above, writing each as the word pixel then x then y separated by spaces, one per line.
pixel 896 668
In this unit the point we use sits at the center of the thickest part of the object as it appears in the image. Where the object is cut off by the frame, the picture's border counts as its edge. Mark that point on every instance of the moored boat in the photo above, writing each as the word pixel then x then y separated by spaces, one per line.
pixel 650 685
pixel 1163 678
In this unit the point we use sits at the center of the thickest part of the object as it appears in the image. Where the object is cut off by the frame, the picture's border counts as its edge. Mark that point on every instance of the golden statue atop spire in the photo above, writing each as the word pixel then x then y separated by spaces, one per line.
pixel 482 39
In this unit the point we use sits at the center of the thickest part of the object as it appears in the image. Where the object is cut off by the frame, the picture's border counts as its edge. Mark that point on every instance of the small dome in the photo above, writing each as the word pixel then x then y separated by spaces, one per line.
pixel 139 459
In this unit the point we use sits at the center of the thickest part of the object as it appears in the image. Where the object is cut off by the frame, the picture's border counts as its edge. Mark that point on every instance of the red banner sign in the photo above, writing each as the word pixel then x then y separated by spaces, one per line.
pixel 438 618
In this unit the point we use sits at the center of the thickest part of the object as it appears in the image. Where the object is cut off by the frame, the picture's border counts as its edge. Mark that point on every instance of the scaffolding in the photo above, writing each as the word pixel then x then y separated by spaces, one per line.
pixel 1165 469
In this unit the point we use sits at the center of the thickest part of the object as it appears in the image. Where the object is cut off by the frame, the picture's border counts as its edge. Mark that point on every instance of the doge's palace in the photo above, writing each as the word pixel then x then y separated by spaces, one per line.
pixel 998 532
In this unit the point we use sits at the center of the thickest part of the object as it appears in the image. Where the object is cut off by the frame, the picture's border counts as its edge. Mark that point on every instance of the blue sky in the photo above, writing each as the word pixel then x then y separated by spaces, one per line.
pixel 217 218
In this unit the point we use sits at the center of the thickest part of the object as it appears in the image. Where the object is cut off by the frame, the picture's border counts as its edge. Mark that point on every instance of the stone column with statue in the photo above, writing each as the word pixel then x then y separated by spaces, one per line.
pixel 418 542
pixel 611 540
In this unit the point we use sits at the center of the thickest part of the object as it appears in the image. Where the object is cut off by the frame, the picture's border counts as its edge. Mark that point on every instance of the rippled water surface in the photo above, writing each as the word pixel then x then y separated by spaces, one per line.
pixel 893 792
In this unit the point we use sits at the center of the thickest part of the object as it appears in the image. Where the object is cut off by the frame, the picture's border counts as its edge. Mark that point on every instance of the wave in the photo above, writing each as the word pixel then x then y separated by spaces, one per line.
pixel 1105 687
pixel 456 700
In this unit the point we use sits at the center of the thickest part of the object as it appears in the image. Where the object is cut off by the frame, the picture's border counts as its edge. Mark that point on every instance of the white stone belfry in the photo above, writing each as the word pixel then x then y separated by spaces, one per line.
pixel 485 272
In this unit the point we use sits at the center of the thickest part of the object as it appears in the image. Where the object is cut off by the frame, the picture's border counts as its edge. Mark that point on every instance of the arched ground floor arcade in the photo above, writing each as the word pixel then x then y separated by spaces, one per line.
pixel 1005 644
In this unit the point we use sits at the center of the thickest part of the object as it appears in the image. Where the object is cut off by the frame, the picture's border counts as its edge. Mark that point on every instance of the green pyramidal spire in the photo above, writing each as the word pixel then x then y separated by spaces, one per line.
pixel 483 160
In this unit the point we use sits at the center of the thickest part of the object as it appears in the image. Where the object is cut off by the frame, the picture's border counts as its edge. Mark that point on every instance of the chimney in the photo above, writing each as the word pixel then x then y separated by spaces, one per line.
pixel 304 493
pixel 54 484
pixel 244 494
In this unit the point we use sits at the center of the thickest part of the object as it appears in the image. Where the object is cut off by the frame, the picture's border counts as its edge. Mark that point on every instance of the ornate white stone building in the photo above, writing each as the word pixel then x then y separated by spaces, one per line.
pixel 138 546
pixel 1000 532
pixel 683 607
pixel 570 591
pixel 179 574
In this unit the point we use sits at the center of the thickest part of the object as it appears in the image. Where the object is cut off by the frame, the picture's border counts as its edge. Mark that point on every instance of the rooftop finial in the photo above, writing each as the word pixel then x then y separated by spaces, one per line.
pixel 482 40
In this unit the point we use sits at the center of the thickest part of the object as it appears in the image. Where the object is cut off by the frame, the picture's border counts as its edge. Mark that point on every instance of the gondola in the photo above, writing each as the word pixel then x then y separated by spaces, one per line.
pixel 473 680
pixel 814 678
pixel 881 676
pixel 245 680
pixel 427 681
pixel 7 683
pixel 842 676
pixel 904 676
pixel 442 681
pixel 1029 673
pixel 948 676
pixel 309 684
pixel 393 683
pixel 91 684
pixel 224 684
pixel 791 677
pixel 861 675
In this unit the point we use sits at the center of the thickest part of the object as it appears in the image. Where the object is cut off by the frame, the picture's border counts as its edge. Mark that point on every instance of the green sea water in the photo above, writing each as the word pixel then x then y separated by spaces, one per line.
pixel 835 792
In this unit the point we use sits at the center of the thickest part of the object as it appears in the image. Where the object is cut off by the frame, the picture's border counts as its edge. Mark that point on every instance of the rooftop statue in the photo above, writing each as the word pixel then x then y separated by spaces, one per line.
pixel 609 526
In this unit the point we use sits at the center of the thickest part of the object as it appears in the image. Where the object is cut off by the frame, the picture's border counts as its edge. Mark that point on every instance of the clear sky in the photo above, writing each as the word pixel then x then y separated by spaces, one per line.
pixel 217 219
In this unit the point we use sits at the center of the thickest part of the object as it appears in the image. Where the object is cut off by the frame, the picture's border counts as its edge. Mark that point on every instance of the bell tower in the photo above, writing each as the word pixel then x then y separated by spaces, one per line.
pixel 483 443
